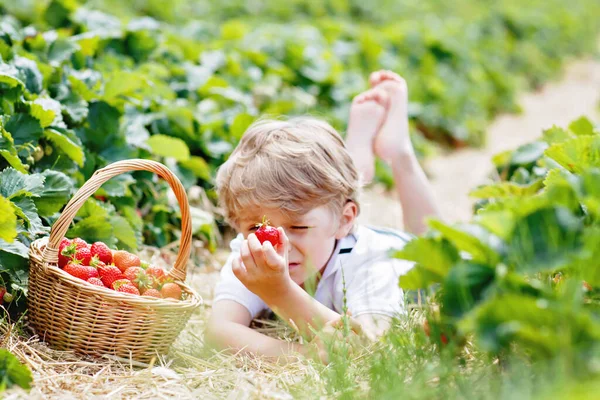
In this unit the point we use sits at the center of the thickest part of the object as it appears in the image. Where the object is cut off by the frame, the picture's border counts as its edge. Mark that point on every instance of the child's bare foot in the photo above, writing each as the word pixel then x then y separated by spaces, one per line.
pixel 367 115
pixel 393 139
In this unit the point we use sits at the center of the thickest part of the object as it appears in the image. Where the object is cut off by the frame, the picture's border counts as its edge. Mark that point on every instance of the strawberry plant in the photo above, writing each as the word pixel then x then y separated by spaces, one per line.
pixel 87 83
pixel 524 272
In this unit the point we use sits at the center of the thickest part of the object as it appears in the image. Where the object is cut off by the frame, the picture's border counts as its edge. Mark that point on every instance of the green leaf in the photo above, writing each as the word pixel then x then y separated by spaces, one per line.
pixel 27 210
pixel 507 189
pixel 578 154
pixel 24 128
pixel 13 160
pixel 166 146
pixel 61 50
pixel 435 255
pixel 419 278
pixel 464 286
pixel 12 372
pixel 542 326
pixel 528 153
pixel 123 83
pixel 14 183
pixel 57 191
pixel 95 228
pixel 118 186
pixel 8 220
pixel 240 124
pixel 45 116
pixel 483 246
pixel 29 74
pixel 582 126
pixel 198 166
pixel 124 233
pixel 103 120
pixel 556 135
pixel 17 248
pixel 63 142
pixel 545 240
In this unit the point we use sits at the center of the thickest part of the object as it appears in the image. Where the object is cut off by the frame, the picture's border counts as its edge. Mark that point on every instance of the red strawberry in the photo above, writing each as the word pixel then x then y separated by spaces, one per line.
pixel 2 292
pixel 63 259
pixel 80 271
pixel 102 251
pixel 84 255
pixel 109 274
pixel 80 243
pixel 96 281
pixel 171 290
pixel 152 293
pixel 265 232
pixel 138 277
pixel 157 273
pixel 125 286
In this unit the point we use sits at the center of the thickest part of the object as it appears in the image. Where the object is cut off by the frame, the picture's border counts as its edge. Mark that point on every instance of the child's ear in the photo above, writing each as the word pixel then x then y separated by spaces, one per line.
pixel 349 214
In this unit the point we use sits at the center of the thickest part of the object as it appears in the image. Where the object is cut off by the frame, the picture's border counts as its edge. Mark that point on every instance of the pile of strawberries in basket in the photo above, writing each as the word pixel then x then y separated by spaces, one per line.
pixel 118 270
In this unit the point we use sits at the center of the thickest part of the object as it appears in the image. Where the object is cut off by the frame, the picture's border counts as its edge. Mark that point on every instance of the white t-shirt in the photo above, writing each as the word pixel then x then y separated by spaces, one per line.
pixel 371 276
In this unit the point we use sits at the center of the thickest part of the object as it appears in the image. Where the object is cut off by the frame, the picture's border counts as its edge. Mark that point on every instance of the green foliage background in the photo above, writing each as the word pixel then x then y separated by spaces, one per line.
pixel 87 83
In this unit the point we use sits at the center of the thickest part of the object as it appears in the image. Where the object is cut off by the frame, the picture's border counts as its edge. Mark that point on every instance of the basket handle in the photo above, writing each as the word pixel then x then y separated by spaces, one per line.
pixel 60 227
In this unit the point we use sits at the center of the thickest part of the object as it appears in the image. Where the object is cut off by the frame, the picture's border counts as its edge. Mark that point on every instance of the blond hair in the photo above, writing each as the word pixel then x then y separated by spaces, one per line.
pixel 293 165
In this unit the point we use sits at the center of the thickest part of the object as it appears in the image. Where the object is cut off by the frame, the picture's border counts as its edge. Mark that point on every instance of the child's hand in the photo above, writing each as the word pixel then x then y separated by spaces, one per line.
pixel 262 268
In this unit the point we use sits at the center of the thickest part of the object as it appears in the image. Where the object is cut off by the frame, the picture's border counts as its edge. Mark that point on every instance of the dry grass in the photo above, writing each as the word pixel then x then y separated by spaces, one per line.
pixel 190 370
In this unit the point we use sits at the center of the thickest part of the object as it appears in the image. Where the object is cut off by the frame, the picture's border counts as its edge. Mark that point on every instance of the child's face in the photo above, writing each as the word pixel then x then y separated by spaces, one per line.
pixel 312 237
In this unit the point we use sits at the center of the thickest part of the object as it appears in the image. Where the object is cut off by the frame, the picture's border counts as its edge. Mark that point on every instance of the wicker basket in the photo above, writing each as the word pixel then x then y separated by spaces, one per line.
pixel 71 314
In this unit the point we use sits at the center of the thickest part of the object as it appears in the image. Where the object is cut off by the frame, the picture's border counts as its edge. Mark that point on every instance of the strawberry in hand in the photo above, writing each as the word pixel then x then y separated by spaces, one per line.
pixel 266 232
pixel 263 268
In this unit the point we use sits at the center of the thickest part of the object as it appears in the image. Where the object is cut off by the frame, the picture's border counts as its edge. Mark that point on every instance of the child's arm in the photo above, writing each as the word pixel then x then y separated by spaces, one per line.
pixel 264 271
pixel 228 328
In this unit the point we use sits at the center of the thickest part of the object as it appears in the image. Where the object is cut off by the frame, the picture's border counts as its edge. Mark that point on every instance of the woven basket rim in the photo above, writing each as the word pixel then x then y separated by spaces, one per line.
pixel 194 300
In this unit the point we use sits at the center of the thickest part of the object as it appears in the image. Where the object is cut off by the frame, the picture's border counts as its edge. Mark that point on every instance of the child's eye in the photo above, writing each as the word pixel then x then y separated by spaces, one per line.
pixel 299 227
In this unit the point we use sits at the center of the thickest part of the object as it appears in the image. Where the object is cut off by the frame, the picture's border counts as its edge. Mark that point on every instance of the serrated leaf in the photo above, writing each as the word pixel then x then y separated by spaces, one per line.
pixel 578 154
pixel 124 233
pixel 29 74
pixel 507 189
pixel 45 116
pixel 12 372
pixel 8 220
pixel 24 128
pixel 17 248
pixel 582 126
pixel 14 183
pixel 166 146
pixel 13 160
pixel 95 228
pixel 57 191
pixel 63 142
pixel 27 210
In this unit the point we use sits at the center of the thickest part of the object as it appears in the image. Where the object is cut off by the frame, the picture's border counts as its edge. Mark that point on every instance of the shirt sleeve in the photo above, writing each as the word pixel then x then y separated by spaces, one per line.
pixel 373 288
pixel 229 286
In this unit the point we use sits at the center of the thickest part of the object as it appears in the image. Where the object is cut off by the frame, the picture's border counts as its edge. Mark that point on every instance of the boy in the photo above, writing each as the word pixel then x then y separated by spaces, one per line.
pixel 301 176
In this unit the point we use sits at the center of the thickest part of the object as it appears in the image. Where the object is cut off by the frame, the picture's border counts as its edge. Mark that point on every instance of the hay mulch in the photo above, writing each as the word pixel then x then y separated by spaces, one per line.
pixel 189 371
